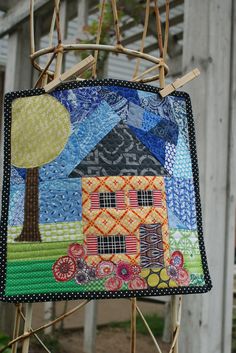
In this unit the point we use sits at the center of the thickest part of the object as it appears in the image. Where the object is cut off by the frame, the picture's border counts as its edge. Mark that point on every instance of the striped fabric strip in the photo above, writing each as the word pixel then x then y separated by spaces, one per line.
pixel 92 245
pixel 131 244
pixel 120 200
pixel 133 198
pixel 157 198
pixel 94 198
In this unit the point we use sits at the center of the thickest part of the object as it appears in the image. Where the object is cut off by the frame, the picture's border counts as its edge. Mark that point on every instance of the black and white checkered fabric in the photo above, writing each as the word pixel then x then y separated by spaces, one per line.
pixel 107 199
pixel 145 197
pixel 112 244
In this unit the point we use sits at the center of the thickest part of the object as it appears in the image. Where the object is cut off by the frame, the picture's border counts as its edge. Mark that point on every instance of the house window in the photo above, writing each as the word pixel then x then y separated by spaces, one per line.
pixel 111 244
pixel 107 200
pixel 114 244
pixel 145 198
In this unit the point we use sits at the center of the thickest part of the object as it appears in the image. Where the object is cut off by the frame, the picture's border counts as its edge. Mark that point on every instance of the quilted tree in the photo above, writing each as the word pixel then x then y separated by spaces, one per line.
pixel 46 130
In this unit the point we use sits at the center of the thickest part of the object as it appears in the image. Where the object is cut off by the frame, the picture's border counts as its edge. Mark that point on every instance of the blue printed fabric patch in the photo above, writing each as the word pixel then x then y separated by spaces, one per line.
pixel 79 102
pixel 130 94
pixel 84 138
pixel 155 144
pixel 183 165
pixel 59 201
pixel 180 197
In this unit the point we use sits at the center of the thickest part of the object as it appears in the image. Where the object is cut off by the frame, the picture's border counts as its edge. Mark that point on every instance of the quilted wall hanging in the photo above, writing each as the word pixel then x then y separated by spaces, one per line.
pixel 100 194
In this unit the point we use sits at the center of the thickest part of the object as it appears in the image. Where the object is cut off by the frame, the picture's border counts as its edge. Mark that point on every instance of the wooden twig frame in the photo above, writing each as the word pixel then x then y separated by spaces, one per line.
pixel 62 48
pixel 145 29
pixel 133 325
pixel 102 10
pixel 76 70
pixel 31 332
pixel 109 48
pixel 166 29
pixel 56 52
pixel 158 27
pixel 116 23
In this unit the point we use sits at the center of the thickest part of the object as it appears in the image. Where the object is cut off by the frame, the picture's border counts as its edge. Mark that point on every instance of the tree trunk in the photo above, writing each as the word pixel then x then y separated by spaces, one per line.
pixel 30 231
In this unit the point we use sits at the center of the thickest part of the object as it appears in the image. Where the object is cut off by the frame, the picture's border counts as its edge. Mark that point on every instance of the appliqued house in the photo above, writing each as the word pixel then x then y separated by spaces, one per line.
pixel 124 211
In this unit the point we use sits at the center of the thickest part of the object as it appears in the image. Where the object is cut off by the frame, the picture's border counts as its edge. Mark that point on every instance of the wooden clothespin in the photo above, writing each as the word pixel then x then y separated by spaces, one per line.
pixel 76 70
pixel 179 82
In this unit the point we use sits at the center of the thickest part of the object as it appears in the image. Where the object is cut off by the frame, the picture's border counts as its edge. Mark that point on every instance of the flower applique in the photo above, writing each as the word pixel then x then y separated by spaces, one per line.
pixel 113 283
pixel 124 271
pixel 64 269
pixel 176 271
pixel 104 269
pixel 76 250
pixel 74 266
pixel 137 283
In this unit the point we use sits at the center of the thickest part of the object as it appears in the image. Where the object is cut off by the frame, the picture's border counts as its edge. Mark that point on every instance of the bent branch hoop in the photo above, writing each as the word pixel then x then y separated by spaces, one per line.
pixel 159 62
pixel 60 49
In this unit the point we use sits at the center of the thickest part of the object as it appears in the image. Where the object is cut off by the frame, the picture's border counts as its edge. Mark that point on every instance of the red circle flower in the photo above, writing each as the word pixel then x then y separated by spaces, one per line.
pixel 105 268
pixel 124 271
pixel 113 283
pixel 76 250
pixel 183 278
pixel 137 283
pixel 177 259
pixel 64 269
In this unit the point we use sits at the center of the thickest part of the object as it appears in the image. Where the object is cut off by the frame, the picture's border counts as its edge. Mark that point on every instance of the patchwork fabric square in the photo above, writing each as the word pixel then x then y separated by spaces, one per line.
pixel 100 194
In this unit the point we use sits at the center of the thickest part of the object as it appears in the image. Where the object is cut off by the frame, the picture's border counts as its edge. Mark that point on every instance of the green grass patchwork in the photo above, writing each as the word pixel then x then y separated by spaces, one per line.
pixel 61 231
pixel 36 277
pixel 29 265
pixel 36 251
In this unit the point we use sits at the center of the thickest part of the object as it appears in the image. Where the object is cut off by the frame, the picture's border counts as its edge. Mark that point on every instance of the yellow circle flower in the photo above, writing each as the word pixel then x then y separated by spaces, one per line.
pixel 145 272
pixel 157 269
pixel 172 283
pixel 162 285
pixel 164 275
pixel 153 280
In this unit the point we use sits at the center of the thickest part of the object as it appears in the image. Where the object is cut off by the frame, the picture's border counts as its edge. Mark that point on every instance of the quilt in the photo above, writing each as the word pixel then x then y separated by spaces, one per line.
pixel 100 194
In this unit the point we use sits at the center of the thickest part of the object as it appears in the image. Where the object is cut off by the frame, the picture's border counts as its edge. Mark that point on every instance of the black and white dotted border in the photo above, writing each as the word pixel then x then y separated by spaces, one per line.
pixel 9 97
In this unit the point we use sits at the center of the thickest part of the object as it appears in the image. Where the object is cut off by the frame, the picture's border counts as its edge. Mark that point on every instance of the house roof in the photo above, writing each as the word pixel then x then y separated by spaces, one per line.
pixel 120 152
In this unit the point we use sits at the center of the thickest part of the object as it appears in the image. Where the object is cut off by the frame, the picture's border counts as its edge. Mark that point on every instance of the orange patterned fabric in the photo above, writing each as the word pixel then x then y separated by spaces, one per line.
pixel 112 221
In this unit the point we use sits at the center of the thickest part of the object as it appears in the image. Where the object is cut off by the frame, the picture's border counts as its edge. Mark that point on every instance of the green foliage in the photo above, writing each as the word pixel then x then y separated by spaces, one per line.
pixel 154 321
pixel 4 339
pixel 107 37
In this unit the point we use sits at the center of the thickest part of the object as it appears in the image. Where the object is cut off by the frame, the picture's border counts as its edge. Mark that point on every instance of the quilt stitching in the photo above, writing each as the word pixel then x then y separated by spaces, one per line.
pixel 122 281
